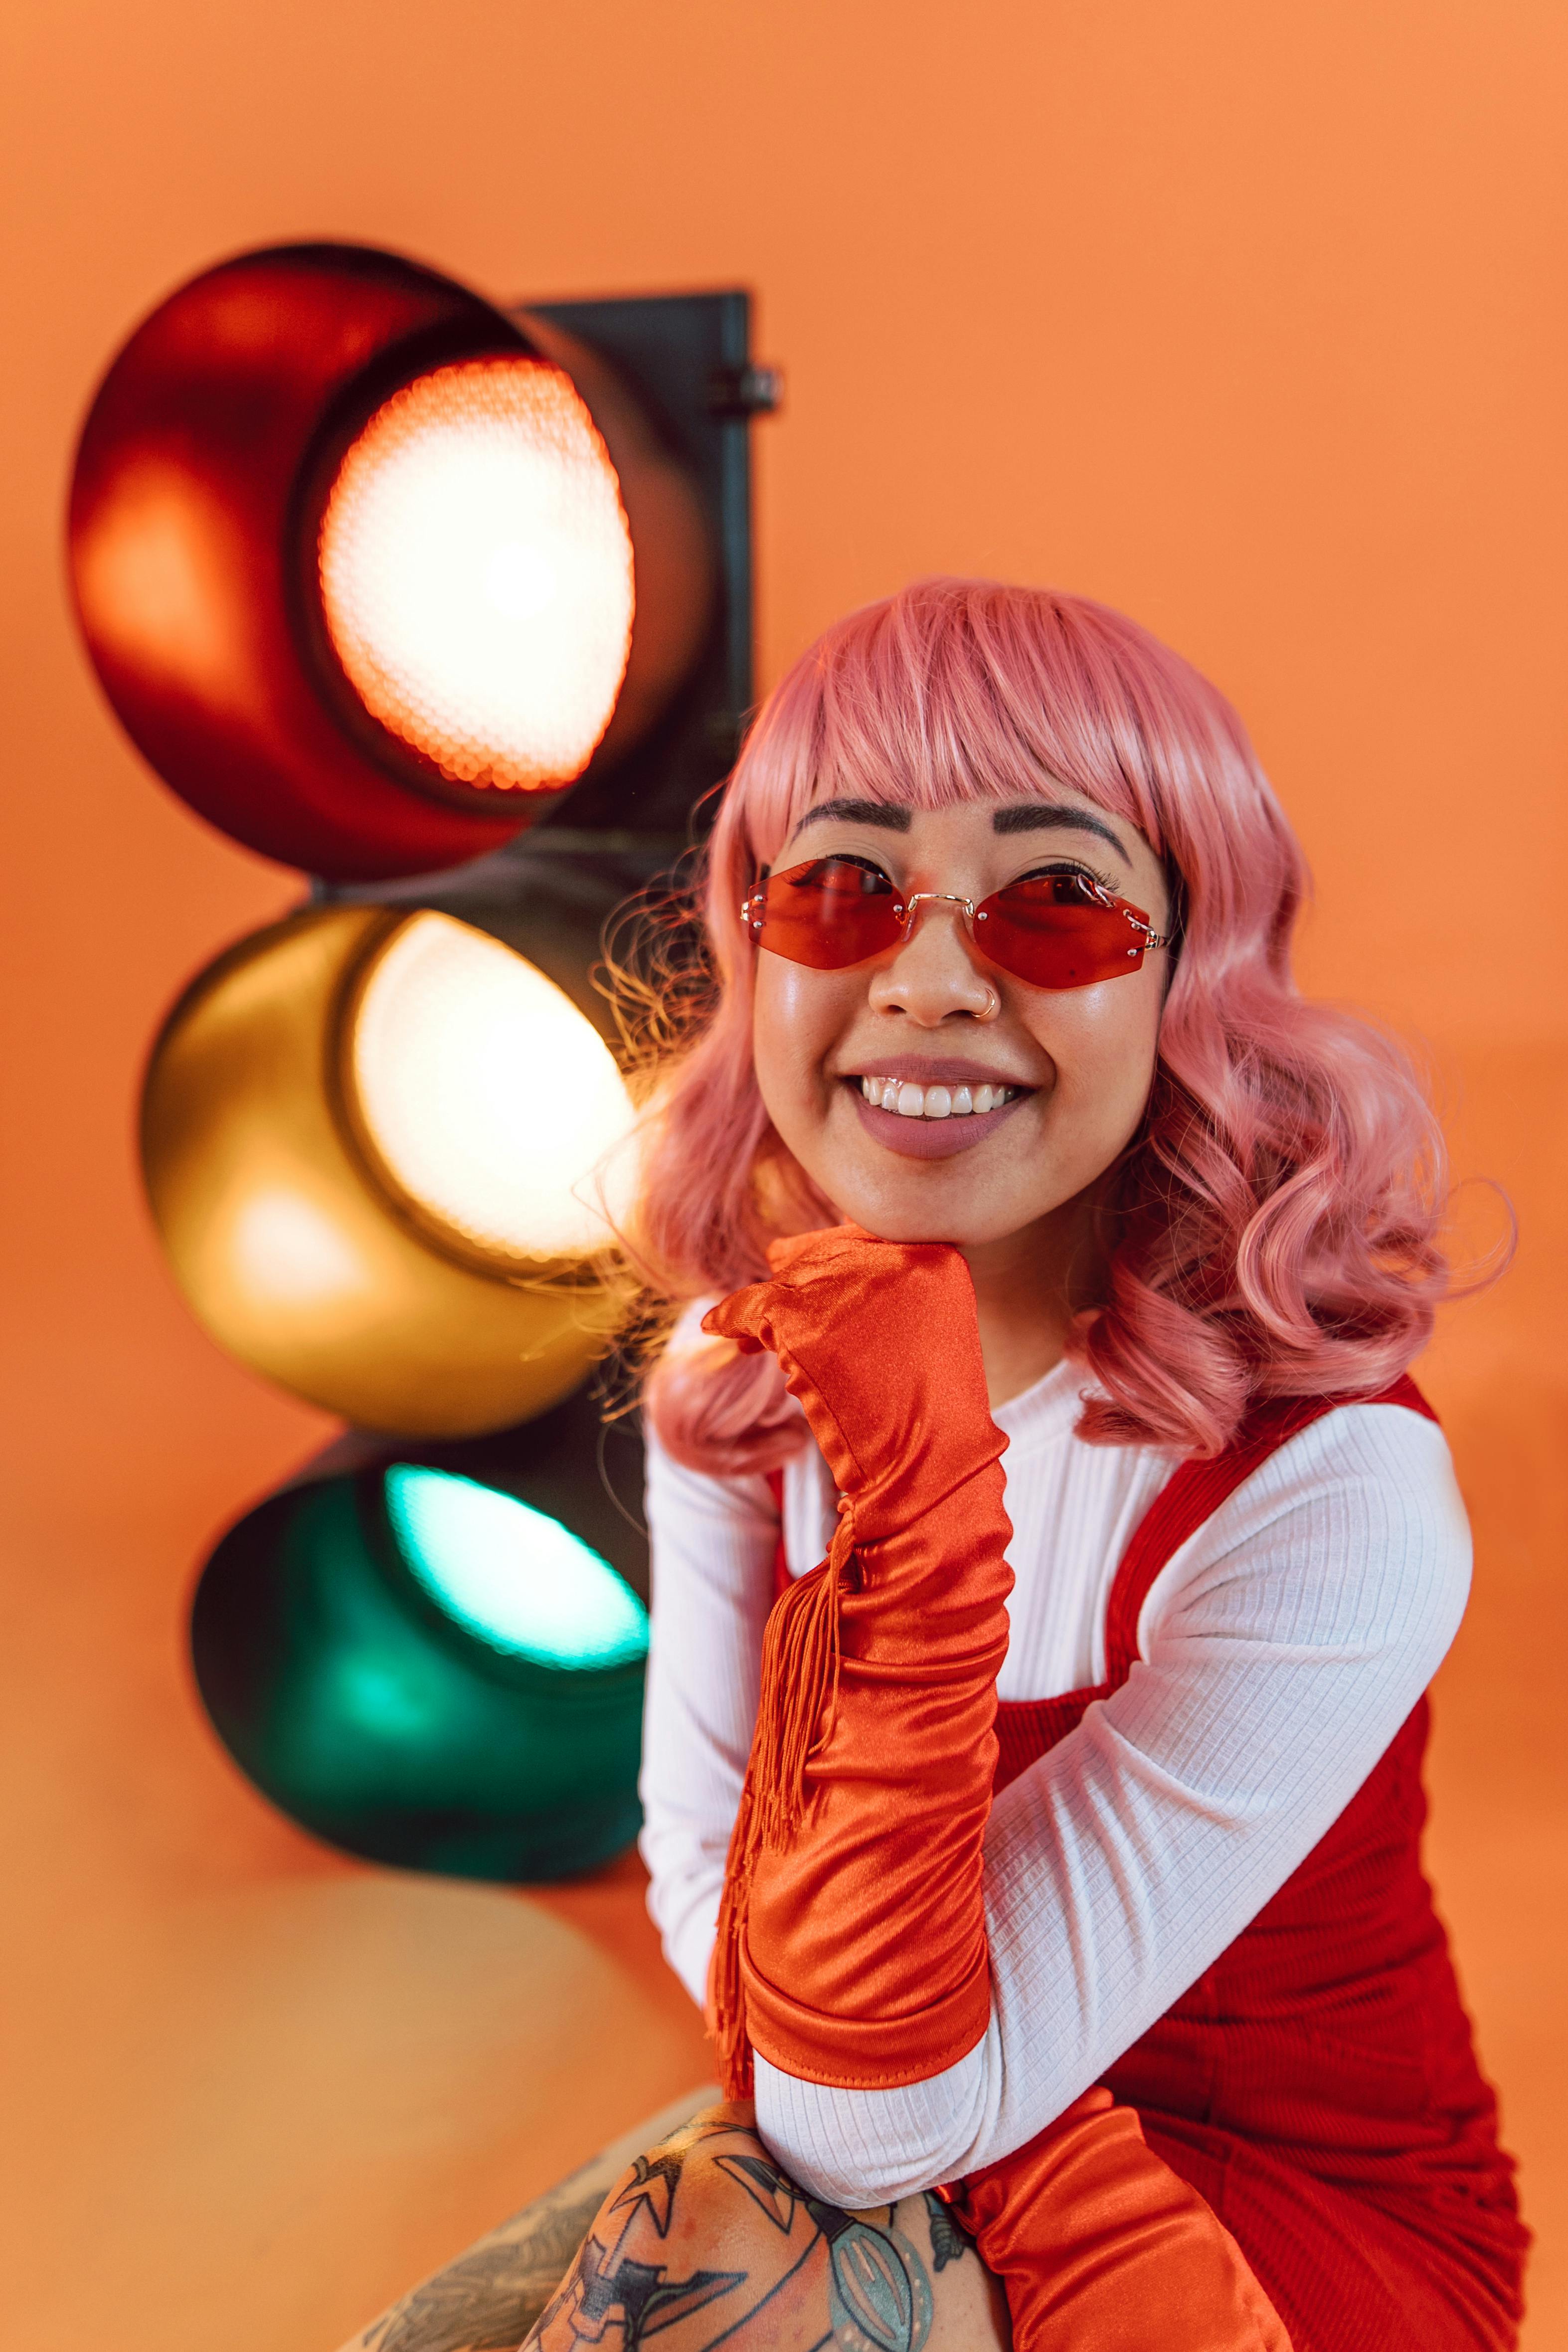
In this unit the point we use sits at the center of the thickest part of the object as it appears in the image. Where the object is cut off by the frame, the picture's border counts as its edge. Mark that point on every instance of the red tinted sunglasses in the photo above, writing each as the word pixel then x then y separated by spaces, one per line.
pixel 1053 930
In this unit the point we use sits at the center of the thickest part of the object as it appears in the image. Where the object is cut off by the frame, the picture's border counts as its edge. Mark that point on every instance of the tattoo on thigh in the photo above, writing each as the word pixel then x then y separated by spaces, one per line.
pixel 949 2243
pixel 759 2267
pixel 881 2297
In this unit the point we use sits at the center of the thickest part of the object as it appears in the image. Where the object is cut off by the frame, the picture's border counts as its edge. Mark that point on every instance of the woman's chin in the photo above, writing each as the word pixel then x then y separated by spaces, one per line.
pixel 969 1199
pixel 965 1224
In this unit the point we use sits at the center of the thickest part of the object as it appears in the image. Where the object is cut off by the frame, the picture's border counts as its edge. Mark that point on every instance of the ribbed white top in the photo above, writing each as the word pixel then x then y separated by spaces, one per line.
pixel 1281 1648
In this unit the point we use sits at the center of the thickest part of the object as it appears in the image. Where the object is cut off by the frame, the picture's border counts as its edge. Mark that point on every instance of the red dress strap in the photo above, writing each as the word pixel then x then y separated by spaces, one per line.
pixel 1026 1728
pixel 1197 1492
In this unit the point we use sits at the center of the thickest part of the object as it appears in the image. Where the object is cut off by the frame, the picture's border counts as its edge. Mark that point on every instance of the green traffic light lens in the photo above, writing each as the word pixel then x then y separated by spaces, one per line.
pixel 511 1575
pixel 429 1672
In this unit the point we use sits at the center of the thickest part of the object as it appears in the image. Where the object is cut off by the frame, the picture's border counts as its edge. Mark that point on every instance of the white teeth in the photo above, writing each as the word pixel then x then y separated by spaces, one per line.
pixel 912 1101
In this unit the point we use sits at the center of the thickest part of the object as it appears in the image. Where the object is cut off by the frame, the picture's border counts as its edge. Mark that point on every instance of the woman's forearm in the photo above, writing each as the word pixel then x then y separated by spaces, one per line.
pixel 865 1953
pixel 852 1944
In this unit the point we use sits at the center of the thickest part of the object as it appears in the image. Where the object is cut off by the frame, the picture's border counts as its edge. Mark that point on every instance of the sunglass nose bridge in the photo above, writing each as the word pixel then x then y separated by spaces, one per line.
pixel 934 898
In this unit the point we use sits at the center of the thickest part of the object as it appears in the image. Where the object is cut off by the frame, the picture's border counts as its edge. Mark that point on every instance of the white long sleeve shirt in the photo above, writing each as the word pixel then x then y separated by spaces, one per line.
pixel 1281 1648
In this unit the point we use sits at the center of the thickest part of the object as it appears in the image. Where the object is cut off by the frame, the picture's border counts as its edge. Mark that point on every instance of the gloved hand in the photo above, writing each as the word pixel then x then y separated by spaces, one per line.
pixel 851 1940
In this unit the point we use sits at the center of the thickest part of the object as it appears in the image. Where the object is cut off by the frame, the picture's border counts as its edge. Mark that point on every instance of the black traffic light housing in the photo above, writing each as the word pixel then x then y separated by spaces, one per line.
pixel 515 1774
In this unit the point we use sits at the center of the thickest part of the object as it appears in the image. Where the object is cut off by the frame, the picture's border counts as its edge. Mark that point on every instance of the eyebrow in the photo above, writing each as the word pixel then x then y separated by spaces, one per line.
pixel 1050 817
pixel 888 815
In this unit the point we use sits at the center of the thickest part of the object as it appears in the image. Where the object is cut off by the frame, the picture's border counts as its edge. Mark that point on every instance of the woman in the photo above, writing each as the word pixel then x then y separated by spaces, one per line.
pixel 1050 1870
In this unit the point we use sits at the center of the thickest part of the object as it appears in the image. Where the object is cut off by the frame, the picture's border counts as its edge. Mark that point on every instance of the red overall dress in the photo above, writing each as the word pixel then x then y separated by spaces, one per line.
pixel 1307 2124
pixel 1317 2084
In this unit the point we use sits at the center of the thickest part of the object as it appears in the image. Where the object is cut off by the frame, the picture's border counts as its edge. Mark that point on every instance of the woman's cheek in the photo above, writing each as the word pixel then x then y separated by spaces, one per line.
pixel 795 1023
pixel 1105 1054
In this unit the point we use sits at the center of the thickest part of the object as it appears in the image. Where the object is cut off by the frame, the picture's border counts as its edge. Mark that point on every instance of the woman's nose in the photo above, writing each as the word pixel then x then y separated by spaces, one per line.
pixel 935 973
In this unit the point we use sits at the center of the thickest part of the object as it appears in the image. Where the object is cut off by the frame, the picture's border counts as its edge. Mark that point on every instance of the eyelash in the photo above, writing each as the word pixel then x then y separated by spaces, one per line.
pixel 1072 865
pixel 1056 866
pixel 853 857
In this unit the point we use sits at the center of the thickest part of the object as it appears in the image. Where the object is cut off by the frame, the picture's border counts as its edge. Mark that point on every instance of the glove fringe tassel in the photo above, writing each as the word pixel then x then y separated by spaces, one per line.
pixel 800 1660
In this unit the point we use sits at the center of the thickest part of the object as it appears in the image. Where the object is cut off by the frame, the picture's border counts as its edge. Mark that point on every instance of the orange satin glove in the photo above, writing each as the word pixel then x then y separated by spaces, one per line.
pixel 1099 2244
pixel 852 1946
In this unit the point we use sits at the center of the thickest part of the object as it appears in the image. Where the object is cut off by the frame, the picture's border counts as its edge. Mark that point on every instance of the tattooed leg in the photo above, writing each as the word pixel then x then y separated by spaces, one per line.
pixel 704 2241
pixel 949 2240
pixel 488 2298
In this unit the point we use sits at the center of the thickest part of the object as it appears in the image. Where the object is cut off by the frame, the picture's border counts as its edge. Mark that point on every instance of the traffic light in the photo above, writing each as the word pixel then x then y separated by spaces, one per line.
pixel 374 1140
pixel 359 562
pixel 449 606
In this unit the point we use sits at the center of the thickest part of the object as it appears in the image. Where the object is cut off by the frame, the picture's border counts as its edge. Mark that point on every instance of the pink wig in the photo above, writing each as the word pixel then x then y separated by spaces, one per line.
pixel 1272 1228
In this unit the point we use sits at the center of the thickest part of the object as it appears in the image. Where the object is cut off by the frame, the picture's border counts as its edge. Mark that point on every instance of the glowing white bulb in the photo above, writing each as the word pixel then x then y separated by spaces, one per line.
pixel 511 1574
pixel 488 1097
pixel 519 581
pixel 476 571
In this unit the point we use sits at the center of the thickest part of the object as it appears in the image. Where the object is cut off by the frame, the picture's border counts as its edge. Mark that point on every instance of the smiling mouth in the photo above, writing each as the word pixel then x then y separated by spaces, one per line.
pixel 933 1117
pixel 912 1101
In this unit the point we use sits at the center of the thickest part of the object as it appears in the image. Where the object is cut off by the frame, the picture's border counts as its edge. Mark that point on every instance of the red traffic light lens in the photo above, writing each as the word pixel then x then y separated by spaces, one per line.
pixel 476 574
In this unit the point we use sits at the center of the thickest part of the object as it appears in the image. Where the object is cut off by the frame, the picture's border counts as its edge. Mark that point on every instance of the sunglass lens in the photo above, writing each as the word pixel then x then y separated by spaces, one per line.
pixel 1055 931
pixel 829 913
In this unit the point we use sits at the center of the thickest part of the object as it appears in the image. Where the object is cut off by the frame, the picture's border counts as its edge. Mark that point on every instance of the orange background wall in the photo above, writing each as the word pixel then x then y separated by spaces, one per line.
pixel 1248 320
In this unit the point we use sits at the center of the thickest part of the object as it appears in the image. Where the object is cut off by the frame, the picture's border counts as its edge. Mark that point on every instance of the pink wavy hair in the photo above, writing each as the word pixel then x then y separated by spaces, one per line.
pixel 1272 1229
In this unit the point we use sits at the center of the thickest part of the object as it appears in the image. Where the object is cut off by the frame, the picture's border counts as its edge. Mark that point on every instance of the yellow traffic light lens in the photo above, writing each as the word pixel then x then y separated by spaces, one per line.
pixel 326 1222
pixel 475 572
pixel 486 1098
pixel 514 1576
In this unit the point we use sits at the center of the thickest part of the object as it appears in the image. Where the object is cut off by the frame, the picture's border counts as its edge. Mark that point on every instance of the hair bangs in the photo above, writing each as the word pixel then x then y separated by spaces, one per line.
pixel 946 694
